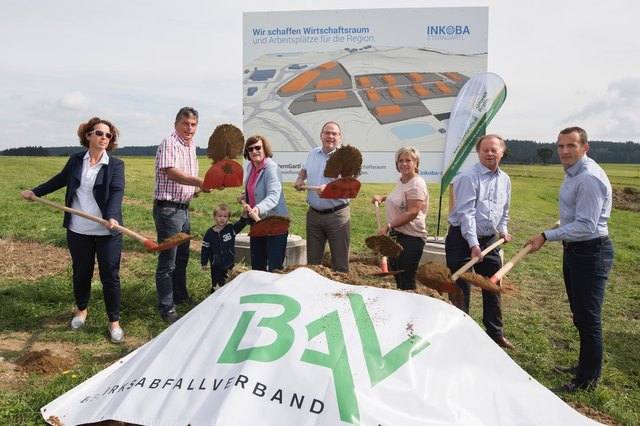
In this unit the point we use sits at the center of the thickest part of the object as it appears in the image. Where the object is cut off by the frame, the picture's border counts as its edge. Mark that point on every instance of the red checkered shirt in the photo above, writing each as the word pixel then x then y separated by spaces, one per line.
pixel 173 151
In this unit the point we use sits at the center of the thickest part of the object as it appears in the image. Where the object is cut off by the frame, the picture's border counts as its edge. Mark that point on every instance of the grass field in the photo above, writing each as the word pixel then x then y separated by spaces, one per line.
pixel 34 313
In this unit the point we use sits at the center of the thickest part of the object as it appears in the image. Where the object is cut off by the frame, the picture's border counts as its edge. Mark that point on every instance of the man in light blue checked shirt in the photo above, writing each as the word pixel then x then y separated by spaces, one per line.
pixel 328 220
pixel 479 217
pixel 585 207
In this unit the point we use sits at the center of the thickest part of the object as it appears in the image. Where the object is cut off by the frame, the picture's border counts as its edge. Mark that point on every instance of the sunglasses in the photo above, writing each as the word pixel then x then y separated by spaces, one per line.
pixel 254 148
pixel 100 133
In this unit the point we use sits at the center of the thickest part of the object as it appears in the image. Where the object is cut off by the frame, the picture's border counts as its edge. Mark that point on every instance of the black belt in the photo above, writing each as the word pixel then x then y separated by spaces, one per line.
pixel 485 237
pixel 331 210
pixel 166 203
pixel 480 237
pixel 589 243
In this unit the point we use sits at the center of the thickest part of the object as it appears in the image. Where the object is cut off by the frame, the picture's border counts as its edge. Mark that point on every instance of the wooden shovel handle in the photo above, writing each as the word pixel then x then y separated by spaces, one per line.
pixel 253 214
pixel 510 264
pixel 90 217
pixel 377 214
pixel 475 259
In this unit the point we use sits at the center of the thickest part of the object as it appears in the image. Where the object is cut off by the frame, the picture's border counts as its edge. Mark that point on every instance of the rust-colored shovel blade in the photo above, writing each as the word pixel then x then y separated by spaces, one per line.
pixel 384 245
pixel 341 188
pixel 166 244
pixel 223 174
pixel 270 226
pixel 480 281
pixel 438 278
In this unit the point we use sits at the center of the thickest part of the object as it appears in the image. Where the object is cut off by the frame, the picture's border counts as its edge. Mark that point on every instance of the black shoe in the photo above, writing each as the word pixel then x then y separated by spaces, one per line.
pixel 170 317
pixel 188 301
pixel 561 369
pixel 573 387
pixel 213 290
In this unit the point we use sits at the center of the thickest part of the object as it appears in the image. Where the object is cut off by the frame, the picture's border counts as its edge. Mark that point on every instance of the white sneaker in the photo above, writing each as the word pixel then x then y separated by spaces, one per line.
pixel 77 323
pixel 117 335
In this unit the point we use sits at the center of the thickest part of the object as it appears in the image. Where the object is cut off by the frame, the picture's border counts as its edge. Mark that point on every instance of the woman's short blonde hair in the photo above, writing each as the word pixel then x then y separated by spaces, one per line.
pixel 415 154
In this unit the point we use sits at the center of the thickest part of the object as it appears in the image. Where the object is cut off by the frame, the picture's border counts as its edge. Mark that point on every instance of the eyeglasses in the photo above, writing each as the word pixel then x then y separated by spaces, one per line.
pixel 254 148
pixel 100 133
pixel 334 134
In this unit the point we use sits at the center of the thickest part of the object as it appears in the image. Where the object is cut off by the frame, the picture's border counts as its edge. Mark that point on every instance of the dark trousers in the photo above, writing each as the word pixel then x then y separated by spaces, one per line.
pixel 171 272
pixel 219 276
pixel 334 228
pixel 458 253
pixel 84 249
pixel 268 253
pixel 408 261
pixel 586 266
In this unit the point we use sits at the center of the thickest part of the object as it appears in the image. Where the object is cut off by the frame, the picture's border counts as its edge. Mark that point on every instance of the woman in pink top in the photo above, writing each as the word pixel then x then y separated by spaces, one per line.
pixel 406 208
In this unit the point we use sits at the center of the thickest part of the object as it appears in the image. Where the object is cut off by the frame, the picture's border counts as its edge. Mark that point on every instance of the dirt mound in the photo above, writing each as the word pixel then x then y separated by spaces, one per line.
pixel 626 199
pixel 594 414
pixel 361 273
pixel 42 362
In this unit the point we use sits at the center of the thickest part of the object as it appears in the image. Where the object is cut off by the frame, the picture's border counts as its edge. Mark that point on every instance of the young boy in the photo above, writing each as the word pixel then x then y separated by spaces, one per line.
pixel 218 245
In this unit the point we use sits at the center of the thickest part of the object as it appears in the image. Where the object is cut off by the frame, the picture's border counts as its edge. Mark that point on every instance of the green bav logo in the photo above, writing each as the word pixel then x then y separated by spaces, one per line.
pixel 379 366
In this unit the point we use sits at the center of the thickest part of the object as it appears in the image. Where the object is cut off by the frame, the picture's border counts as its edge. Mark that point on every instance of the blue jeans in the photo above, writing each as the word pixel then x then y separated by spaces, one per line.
pixel 171 273
pixel 268 253
pixel 586 266
pixel 84 249
pixel 458 253
pixel 408 261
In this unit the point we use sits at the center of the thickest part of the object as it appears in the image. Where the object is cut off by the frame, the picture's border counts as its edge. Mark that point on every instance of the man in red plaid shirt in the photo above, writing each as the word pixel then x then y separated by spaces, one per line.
pixel 177 182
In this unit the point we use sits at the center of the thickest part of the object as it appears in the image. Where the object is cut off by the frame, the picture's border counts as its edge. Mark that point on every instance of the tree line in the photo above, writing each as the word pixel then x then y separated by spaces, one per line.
pixel 518 152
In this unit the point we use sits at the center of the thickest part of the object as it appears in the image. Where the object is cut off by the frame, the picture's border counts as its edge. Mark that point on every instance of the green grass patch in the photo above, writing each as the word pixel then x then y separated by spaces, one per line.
pixel 536 315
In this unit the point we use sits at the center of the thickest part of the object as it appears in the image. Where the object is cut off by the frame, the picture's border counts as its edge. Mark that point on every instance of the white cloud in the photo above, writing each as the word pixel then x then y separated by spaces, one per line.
pixel 74 100
pixel 149 58
pixel 613 115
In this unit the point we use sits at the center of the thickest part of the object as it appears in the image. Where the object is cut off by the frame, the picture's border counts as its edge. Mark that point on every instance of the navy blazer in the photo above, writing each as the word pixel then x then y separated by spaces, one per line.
pixel 108 188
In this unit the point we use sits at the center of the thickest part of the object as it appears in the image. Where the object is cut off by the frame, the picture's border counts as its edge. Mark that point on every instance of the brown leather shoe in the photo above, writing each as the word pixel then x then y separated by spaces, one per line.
pixel 503 342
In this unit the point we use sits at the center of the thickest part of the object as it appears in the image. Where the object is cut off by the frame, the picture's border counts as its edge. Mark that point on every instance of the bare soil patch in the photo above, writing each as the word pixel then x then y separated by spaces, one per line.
pixel 626 199
pixel 30 260
pixel 42 362
pixel 594 414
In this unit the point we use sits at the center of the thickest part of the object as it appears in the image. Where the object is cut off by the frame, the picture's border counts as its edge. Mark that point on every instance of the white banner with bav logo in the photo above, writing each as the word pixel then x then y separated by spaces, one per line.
pixel 300 349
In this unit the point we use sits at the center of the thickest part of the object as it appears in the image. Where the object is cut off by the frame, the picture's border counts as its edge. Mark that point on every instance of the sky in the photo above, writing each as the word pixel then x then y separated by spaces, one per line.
pixel 136 62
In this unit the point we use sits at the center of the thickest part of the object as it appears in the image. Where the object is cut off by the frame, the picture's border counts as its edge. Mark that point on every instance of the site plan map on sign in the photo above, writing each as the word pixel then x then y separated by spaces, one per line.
pixel 392 85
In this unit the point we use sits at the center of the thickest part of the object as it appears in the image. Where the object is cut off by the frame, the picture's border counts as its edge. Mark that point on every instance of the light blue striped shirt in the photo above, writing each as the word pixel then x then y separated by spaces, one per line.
pixel 316 162
pixel 482 200
pixel 585 203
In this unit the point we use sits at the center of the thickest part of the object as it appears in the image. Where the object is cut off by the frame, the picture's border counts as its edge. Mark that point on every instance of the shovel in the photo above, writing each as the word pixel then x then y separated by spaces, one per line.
pixel 383 244
pixel 437 276
pixel 223 174
pixel 269 226
pixel 494 281
pixel 346 162
pixel 225 143
pixel 173 241
pixel 346 187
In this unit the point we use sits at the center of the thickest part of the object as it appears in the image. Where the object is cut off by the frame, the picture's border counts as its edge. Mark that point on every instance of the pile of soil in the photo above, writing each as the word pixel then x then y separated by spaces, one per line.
pixel 42 362
pixel 626 199
pixel 594 414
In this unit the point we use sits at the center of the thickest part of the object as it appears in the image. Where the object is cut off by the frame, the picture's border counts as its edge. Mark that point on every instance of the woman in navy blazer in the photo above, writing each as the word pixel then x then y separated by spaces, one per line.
pixel 263 192
pixel 95 185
